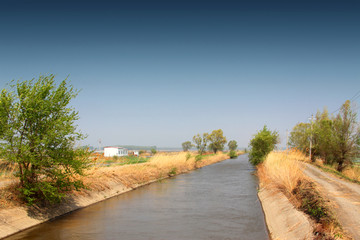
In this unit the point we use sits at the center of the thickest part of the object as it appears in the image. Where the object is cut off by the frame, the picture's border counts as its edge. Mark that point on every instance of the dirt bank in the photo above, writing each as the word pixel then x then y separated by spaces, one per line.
pixel 278 177
pixel 344 195
pixel 105 183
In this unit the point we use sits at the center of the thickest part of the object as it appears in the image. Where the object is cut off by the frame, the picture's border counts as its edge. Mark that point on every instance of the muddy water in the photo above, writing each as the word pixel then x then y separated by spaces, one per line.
pixel 215 202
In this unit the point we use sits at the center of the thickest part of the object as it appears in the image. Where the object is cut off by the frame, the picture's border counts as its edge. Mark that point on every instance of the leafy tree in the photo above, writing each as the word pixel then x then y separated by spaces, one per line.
pixel 187 146
pixel 153 151
pixel 217 140
pixel 37 132
pixel 232 145
pixel 201 142
pixel 334 139
pixel 323 137
pixel 299 137
pixel 262 144
pixel 346 136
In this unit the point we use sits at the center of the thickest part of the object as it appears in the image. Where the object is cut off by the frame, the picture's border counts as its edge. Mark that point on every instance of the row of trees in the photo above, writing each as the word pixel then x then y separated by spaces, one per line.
pixel 215 141
pixel 336 139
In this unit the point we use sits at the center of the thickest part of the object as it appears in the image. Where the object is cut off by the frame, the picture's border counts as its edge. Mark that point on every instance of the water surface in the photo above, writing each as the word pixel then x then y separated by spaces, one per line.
pixel 215 202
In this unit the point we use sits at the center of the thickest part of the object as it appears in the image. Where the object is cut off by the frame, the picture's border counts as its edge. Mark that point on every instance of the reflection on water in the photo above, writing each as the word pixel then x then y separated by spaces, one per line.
pixel 215 202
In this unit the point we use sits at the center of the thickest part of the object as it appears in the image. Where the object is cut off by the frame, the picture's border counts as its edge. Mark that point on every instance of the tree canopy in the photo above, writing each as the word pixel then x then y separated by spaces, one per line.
pixel 334 139
pixel 38 134
pixel 232 145
pixel 201 142
pixel 217 140
pixel 186 146
pixel 262 144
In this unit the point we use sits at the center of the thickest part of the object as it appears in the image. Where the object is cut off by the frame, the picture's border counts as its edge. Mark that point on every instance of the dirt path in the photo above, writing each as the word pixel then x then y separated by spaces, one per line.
pixel 345 196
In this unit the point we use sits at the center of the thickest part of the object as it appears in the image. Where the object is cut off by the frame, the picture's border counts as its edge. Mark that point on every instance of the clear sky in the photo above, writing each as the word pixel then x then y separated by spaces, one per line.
pixel 159 72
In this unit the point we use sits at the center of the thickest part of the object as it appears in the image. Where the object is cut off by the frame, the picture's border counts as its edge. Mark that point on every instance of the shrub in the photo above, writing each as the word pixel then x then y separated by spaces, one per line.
pixel 198 158
pixel 262 144
pixel 172 172
pixel 232 154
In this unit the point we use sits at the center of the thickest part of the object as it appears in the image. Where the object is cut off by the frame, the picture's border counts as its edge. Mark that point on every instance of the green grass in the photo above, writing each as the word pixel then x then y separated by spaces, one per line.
pixel 127 160
pixel 328 169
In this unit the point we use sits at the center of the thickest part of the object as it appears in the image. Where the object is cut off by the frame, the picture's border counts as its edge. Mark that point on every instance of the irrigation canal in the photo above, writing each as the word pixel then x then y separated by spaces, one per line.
pixel 216 202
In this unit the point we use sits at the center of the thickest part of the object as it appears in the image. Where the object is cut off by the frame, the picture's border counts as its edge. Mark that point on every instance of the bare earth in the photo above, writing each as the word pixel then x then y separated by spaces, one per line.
pixel 345 195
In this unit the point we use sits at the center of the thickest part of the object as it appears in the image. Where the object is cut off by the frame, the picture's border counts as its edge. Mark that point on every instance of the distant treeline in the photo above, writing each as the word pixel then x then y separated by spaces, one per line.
pixel 135 147
pixel 129 147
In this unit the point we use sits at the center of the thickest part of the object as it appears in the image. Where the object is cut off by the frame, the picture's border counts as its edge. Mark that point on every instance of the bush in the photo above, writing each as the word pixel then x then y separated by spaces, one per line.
pixel 153 151
pixel 262 144
pixel 232 154
pixel 172 172
pixel 198 158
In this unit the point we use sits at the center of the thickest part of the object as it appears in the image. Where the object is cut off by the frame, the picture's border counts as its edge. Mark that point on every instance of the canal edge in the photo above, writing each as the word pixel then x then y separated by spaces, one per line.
pixel 15 220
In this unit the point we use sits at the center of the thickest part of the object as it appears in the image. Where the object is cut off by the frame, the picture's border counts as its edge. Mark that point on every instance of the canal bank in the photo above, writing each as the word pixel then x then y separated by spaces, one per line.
pixel 105 183
pixel 216 202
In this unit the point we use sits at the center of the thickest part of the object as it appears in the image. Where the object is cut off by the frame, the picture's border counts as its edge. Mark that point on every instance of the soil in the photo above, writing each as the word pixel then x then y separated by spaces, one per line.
pixel 344 195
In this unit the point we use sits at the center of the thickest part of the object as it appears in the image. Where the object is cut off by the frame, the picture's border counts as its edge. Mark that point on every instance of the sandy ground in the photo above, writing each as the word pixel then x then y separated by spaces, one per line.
pixel 344 195
pixel 284 221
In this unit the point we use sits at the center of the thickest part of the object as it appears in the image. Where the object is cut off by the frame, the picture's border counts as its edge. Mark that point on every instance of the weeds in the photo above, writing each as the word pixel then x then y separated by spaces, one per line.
pixel 282 171
pixel 172 172
pixel 198 158
pixel 351 174
pixel 7 169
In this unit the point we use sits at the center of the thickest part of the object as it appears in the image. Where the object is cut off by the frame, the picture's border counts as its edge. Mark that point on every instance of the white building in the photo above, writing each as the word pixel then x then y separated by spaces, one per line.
pixel 115 151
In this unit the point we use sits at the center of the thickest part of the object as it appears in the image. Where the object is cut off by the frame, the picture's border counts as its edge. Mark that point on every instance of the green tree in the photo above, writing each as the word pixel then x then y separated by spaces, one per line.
pixel 346 136
pixel 262 144
pixel 217 140
pixel 323 137
pixel 187 146
pixel 201 142
pixel 232 145
pixel 38 133
pixel 153 151
pixel 300 136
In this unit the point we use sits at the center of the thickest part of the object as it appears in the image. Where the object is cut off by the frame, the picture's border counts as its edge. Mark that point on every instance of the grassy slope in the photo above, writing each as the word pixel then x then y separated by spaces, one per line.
pixel 282 171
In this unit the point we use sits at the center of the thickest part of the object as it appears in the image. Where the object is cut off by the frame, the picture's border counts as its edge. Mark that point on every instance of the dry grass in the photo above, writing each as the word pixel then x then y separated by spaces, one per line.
pixel 282 170
pixel 7 170
pixel 99 178
pixel 161 165
pixel 352 172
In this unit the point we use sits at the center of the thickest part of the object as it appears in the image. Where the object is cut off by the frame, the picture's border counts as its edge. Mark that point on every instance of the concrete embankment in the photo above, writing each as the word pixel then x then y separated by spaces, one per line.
pixel 284 221
pixel 104 183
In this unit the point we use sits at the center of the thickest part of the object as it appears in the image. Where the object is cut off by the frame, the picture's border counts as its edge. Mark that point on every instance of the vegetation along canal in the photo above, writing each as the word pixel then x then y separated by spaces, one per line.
pixel 215 202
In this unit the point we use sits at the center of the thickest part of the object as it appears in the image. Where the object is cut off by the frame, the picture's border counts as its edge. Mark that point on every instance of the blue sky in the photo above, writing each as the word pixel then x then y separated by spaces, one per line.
pixel 159 72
